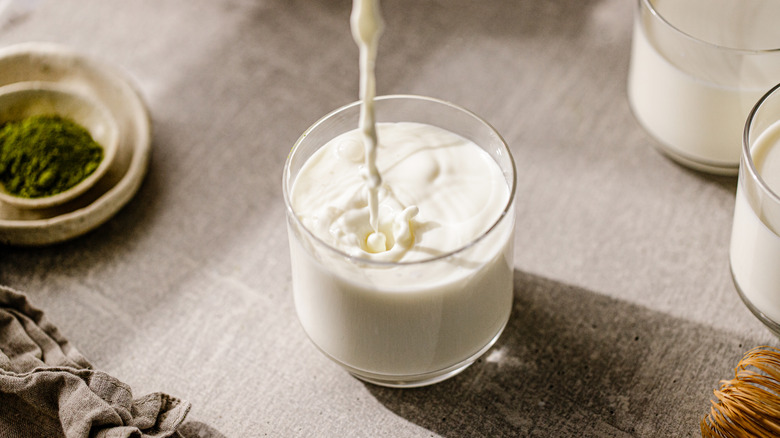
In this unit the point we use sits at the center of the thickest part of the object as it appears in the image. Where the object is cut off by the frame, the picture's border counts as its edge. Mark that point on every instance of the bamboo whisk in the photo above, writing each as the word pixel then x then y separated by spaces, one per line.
pixel 749 404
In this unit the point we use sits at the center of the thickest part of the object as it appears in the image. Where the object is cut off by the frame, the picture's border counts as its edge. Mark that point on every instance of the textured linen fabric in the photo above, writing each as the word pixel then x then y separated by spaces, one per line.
pixel 48 389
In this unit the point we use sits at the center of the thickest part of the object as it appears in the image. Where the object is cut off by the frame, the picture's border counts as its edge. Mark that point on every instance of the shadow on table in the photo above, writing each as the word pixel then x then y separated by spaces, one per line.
pixel 196 429
pixel 572 362
pixel 727 183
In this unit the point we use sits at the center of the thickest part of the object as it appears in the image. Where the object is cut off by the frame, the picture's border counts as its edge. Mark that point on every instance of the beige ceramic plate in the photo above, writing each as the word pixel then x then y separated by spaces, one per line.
pixel 69 70
pixel 26 99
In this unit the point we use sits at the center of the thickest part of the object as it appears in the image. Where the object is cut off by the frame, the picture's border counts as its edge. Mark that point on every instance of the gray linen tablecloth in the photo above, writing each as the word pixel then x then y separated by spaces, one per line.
pixel 625 318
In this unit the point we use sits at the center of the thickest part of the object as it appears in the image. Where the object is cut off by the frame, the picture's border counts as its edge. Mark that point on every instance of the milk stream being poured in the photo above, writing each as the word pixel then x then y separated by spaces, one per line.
pixel 395 196
pixel 366 24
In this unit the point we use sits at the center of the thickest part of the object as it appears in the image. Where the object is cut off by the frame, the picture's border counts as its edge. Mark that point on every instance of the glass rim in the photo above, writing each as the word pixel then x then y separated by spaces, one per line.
pixel 747 154
pixel 383 263
pixel 648 4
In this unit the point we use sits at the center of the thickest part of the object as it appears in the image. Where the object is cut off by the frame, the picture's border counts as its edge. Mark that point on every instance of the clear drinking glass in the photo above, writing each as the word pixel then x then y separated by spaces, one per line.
pixel 697 68
pixel 755 236
pixel 403 324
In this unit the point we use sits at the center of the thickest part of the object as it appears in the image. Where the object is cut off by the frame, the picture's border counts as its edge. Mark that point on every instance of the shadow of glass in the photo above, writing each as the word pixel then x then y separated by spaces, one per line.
pixel 572 362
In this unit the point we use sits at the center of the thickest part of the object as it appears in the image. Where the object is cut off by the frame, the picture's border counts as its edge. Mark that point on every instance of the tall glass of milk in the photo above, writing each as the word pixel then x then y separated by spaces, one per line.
pixel 755 236
pixel 697 68
pixel 427 302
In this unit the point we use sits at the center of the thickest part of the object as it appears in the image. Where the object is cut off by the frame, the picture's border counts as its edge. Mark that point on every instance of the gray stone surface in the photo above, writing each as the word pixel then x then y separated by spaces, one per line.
pixel 625 318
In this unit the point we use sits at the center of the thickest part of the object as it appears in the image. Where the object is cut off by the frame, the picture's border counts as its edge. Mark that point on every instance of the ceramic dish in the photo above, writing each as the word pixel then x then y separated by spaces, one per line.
pixel 72 71
pixel 27 99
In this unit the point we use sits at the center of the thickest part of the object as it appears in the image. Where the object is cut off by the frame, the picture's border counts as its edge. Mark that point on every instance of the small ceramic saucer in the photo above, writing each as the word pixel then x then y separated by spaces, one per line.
pixel 80 75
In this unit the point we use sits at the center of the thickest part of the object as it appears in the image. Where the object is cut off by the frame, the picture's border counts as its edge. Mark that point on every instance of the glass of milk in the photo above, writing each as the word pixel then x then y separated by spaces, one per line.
pixel 404 323
pixel 697 68
pixel 755 236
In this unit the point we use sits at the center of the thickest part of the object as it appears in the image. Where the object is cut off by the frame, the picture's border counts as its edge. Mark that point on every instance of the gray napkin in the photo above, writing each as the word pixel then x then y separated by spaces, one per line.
pixel 48 389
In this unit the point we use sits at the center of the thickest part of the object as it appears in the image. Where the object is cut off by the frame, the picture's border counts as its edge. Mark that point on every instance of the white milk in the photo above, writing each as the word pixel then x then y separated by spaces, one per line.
pixel 698 118
pixel 439 193
pixel 755 245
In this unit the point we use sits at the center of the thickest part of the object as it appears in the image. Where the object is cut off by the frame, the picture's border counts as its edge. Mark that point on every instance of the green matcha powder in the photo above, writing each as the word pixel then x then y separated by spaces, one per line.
pixel 45 155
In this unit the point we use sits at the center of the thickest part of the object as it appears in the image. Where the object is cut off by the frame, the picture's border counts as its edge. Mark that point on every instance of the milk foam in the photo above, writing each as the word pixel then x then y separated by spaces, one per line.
pixel 440 192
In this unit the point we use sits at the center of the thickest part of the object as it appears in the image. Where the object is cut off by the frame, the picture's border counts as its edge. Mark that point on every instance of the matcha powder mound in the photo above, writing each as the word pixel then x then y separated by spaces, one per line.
pixel 45 155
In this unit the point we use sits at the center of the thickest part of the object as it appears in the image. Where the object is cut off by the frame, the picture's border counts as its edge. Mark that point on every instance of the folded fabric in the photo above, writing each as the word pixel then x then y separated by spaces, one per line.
pixel 48 389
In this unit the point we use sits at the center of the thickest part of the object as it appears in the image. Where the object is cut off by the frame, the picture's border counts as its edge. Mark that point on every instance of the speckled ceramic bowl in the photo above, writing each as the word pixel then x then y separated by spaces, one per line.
pixel 25 99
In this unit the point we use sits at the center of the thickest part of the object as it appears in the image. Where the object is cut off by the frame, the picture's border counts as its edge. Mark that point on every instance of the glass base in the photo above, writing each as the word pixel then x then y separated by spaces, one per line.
pixel 771 325
pixel 418 380
pixel 413 381
pixel 711 167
